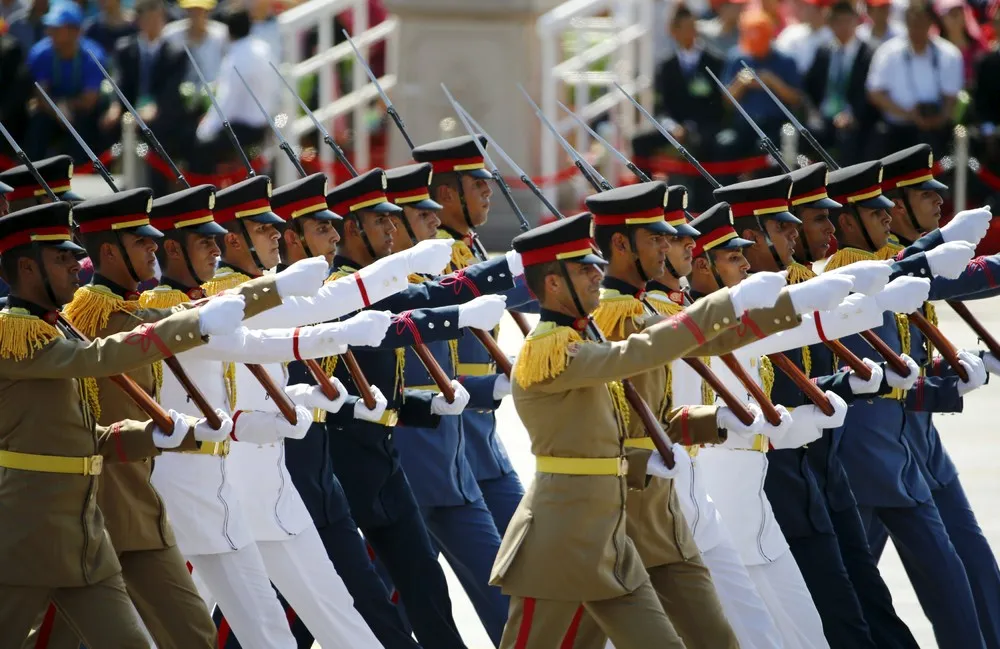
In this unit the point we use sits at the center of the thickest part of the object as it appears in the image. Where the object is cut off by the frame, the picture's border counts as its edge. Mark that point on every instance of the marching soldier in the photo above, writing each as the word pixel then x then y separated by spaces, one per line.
pixel 59 549
pixel 57 172
pixel 460 184
pixel 878 458
pixel 568 393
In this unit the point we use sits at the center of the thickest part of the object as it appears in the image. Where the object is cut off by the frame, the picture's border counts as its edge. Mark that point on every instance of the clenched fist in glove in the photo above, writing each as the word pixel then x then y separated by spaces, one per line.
pixel 173 438
pixel 303 278
pixel 904 294
pixel 820 293
pixel 992 363
pixel 869 276
pixel 374 415
pixel 976 370
pixel 872 385
pixel 949 259
pixel 903 382
pixel 501 387
pixel 365 329
pixel 311 396
pixel 205 433
pixel 968 225
pixel 759 291
pixel 775 433
pixel 483 312
pixel 655 466
pixel 440 405
pixel 727 419
pixel 428 257
pixel 260 427
pixel 221 316
pixel 809 422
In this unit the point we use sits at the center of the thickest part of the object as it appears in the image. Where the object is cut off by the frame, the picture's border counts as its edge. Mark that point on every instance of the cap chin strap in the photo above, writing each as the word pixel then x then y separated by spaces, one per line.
pixel 913 218
pixel 37 251
pixel 635 251
pixel 465 206
pixel 364 235
pixel 190 267
pixel 670 269
pixel 715 271
pixel 770 244
pixel 125 257
pixel 250 246
pixel 864 229
pixel 409 228
pixel 300 230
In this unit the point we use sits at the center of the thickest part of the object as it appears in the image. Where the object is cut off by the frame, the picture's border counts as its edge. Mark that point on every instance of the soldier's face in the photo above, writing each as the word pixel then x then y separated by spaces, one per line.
pixel 586 279
pixel 784 236
pixel 264 237
pixel 817 228
pixel 203 251
pixel 320 236
pixel 63 270
pixel 477 198
pixel 732 266
pixel 141 253
pixel 423 223
pixel 878 223
pixel 652 249
pixel 680 255
pixel 380 230
pixel 926 206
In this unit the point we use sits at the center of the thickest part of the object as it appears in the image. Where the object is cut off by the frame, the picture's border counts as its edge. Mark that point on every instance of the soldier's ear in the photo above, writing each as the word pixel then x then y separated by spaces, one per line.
pixel 751 235
pixel 552 283
pixel 844 222
pixel 233 241
pixel 291 237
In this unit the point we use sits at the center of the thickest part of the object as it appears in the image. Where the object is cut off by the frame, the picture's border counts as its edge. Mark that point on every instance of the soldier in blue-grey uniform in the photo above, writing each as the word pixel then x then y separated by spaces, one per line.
pixel 461 185
pixel 876 453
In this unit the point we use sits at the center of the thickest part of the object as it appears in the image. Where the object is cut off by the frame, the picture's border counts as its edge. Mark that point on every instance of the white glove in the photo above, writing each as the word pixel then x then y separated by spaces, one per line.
pixel 820 293
pixel 968 225
pixel 375 414
pixel 221 315
pixel 775 433
pixel 759 291
pixel 205 433
pixel 904 294
pixel 501 387
pixel 303 420
pixel 727 419
pixel 483 312
pixel 991 362
pixel 976 370
pixel 311 396
pixel 655 466
pixel 303 278
pixel 514 263
pixel 173 439
pixel 949 259
pixel 366 329
pixel 871 386
pixel 903 382
pixel 809 422
pixel 428 257
pixel 440 405
pixel 836 420
pixel 869 276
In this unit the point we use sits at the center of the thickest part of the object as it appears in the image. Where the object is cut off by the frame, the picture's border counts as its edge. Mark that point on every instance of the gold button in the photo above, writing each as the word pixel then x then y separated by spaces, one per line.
pixel 178 338
pixel 777 321
pixel 725 321
pixel 717 326
pixel 788 318
pixel 266 289
pixel 256 297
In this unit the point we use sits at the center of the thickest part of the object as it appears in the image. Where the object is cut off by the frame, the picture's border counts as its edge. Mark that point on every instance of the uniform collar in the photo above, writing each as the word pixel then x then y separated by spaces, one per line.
pixel 233 269
pixel 117 289
pixel 563 320
pixel 193 292
pixel 622 287
pixel 14 302
pixel 341 261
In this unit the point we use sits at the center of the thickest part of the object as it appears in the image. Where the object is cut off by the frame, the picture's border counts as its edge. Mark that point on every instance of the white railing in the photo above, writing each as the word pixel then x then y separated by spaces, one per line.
pixel 597 30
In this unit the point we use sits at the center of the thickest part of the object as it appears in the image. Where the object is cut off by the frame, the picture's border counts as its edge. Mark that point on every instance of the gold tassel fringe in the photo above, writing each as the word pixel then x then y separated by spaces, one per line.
pixel 707 394
pixel 888 251
pixel 807 361
pixel 766 375
pixel 91 396
pixel 544 353
pixel 846 256
pixel 461 255
pixel 229 377
pixel 617 392
pixel 453 352
pixel 797 273
pixel 162 297
pixel 223 281
pixel 400 366
pixel 337 274
pixel 664 305
pixel 93 305
pixel 614 310
pixel 416 279
pixel 21 334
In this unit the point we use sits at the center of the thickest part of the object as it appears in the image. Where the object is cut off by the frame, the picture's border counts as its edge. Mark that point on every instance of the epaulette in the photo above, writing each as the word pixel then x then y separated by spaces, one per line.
pixel 889 251
pixel 615 309
pixel 224 280
pixel 662 303
pixel 338 273
pixel 415 278
pixel 766 375
pixel 846 256
pixel 545 353
pixel 461 254
pixel 22 334
pixel 92 307
pixel 162 297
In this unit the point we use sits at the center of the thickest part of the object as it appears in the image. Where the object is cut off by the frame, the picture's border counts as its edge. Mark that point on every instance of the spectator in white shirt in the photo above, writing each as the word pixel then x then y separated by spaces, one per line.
pixel 801 40
pixel 914 81
pixel 206 38
pixel 265 26
pixel 250 56
pixel 880 26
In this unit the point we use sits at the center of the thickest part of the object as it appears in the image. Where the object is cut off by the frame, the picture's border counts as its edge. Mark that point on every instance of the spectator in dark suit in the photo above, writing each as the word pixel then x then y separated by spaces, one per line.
pixel 841 114
pixel 110 25
pixel 16 87
pixel 150 72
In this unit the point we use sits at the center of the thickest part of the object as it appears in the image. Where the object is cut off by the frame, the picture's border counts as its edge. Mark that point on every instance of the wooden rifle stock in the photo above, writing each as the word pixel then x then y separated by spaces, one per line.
pixel 856 364
pixel 503 363
pixel 322 380
pixel 521 321
pixel 141 398
pixel 192 390
pixel 770 412
pixel 285 405
pixel 364 387
pixel 331 392
pixel 892 359
pixel 808 388
pixel 981 331
pixel 937 338
pixel 738 407
pixel 649 422
pixel 434 369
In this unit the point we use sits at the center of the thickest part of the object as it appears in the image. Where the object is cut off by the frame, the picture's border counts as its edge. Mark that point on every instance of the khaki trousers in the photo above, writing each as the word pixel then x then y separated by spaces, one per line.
pixel 687 595
pixel 100 615
pixel 160 586
pixel 633 621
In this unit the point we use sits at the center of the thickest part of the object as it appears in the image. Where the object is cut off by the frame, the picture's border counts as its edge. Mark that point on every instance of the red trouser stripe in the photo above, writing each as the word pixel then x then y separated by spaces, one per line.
pixel 574 627
pixel 45 630
pixel 525 631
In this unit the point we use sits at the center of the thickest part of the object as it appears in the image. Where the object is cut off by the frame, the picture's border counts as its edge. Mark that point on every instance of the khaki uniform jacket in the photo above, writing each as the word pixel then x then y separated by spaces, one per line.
pixel 134 514
pixel 656 522
pixel 567 538
pixel 51 530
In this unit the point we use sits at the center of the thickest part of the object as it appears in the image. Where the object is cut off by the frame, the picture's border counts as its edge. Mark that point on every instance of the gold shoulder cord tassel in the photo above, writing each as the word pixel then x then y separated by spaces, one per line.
pixel 544 353
pixel 92 306
pixel 797 273
pixel 340 273
pixel 21 334
pixel 617 392
pixel 766 375
pixel 615 309
pixel 461 255
pixel 846 256
pixel 666 306
pixel 707 394
pixel 223 281
pixel 888 251
pixel 162 297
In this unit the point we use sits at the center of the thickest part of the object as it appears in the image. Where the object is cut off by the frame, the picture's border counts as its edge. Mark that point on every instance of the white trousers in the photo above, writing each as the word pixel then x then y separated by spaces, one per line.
pixel 784 591
pixel 303 572
pixel 743 605
pixel 238 582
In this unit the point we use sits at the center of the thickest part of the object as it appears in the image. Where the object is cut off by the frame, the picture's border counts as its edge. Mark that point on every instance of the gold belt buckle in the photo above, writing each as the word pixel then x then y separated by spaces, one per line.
pixel 93 465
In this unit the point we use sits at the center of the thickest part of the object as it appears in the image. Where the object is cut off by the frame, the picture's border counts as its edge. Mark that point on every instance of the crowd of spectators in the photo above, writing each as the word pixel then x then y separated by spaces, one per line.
pixel 866 77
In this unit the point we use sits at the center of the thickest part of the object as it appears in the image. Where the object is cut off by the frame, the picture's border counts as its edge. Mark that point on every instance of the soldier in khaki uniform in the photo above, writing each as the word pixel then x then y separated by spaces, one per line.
pixel 566 544
pixel 53 540
pixel 116 232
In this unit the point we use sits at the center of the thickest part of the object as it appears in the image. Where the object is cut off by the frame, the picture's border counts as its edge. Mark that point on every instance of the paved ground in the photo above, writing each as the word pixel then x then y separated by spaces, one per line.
pixel 968 437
